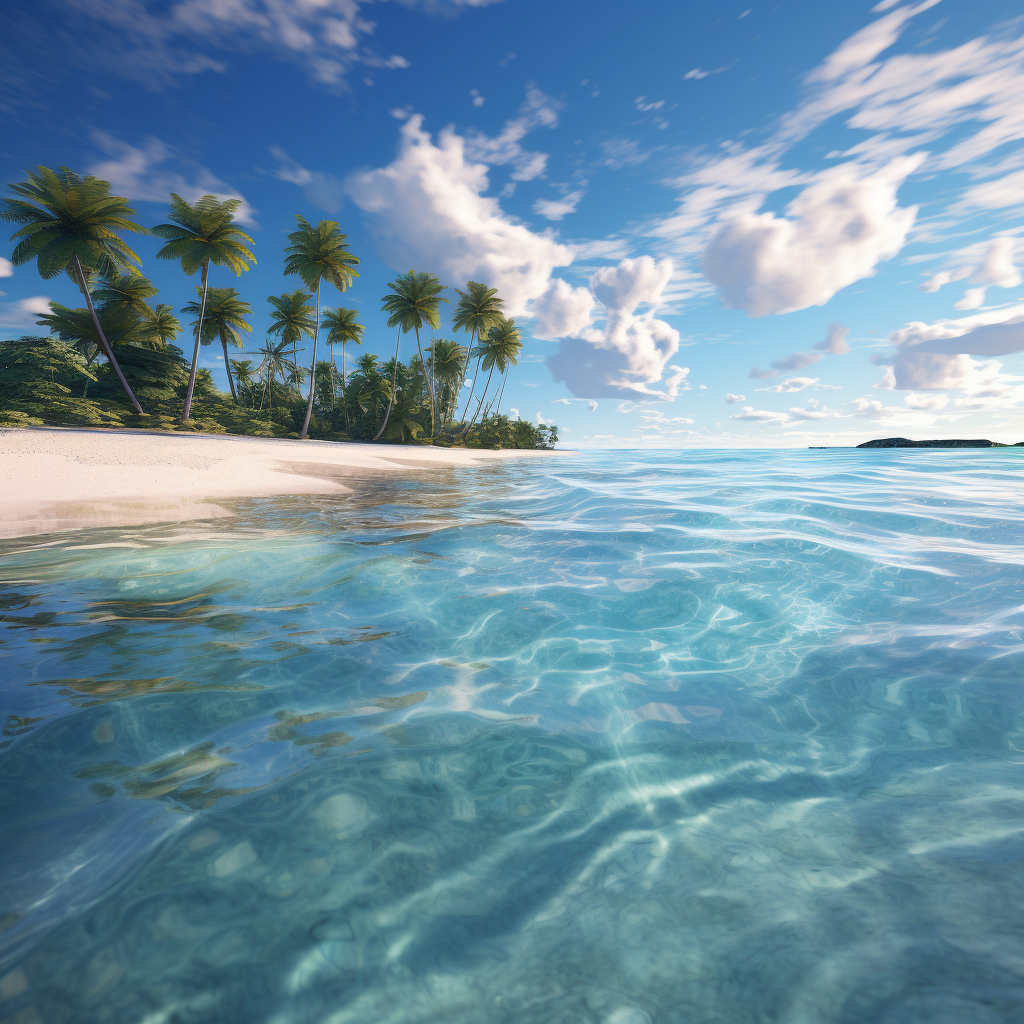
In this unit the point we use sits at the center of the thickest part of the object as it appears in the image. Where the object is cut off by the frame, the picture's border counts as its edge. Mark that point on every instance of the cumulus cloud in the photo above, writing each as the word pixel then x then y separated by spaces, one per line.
pixel 152 172
pixel 834 343
pixel 898 415
pixel 591 405
pixel 748 412
pixel 795 384
pixel 797 361
pixel 813 410
pixel 940 356
pixel 6 268
pixel 561 311
pixel 835 340
pixel 961 103
pixel 24 312
pixel 632 350
pixel 556 209
pixel 986 264
pixel 731 398
pixel 834 233
pixel 428 209
pixel 324 191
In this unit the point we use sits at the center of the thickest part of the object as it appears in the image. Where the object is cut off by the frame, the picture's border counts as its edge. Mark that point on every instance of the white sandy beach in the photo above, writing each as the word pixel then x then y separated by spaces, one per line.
pixel 60 478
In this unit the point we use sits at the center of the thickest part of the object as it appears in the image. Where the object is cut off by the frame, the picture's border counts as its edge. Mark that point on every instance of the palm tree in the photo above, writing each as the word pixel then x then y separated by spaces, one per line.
pixel 342 328
pixel 315 254
pixel 291 318
pixel 244 376
pixel 71 225
pixel 412 303
pixel 274 363
pixel 159 326
pixel 447 364
pixel 225 317
pixel 479 310
pixel 500 347
pixel 202 233
pixel 127 291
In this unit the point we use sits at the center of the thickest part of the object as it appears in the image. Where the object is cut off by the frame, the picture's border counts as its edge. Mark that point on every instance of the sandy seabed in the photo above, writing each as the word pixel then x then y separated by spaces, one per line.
pixel 60 478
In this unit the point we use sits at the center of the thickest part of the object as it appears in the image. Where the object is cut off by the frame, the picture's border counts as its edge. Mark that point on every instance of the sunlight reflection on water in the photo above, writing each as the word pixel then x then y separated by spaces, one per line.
pixel 617 738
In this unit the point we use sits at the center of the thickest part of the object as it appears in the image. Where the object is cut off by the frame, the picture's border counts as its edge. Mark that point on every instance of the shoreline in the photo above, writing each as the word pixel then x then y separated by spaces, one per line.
pixel 69 478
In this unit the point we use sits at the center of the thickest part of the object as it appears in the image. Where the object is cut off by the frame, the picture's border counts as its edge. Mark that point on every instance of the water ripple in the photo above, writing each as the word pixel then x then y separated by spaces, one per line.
pixel 616 738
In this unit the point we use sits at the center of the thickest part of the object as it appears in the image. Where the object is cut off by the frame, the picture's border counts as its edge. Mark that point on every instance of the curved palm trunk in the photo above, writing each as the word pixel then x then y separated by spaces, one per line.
pixel 480 403
pixel 312 370
pixel 465 370
pixel 195 351
pixel 394 384
pixel 497 405
pixel 107 350
pixel 227 366
pixel 430 383
pixel 472 390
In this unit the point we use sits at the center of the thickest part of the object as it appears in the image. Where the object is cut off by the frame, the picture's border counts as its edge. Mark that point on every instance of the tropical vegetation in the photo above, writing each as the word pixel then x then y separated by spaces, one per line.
pixel 116 361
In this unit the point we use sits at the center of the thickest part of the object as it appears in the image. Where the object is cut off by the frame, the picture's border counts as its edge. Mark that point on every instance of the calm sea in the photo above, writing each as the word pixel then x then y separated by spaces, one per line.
pixel 609 738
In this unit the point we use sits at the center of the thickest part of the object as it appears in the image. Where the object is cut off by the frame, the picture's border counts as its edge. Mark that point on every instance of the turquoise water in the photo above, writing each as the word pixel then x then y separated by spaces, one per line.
pixel 624 738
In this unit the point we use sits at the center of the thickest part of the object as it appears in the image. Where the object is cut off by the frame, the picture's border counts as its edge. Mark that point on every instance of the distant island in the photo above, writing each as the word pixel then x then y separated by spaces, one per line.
pixel 905 442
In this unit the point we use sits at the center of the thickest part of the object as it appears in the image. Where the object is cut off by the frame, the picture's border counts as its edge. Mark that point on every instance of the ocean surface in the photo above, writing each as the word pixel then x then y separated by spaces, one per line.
pixel 607 738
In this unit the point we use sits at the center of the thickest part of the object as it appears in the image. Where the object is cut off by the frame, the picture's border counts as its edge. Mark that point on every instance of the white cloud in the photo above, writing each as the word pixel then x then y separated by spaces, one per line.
pixel 556 209
pixel 938 356
pixel 513 414
pixel 428 210
pixel 149 174
pixel 6 268
pixel 986 264
pixel 591 405
pixel 561 311
pixel 961 103
pixel 478 100
pixel 631 351
pixel 796 361
pixel 748 412
pixel 997 194
pixel 324 191
pixel 538 110
pixel 791 385
pixel 835 340
pixel 619 153
pixel 896 415
pixel 24 312
pixel 835 232
pixel 731 398
pixel 810 412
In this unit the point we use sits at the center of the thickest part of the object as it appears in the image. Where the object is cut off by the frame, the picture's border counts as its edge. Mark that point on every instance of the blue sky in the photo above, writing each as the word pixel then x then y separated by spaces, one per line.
pixel 716 223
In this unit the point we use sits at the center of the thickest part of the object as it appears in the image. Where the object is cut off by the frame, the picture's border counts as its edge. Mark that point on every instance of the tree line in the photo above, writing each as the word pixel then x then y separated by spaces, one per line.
pixel 122 346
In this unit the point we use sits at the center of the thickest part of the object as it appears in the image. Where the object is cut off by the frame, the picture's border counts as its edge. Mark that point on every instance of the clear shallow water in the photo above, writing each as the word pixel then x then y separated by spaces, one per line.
pixel 621 738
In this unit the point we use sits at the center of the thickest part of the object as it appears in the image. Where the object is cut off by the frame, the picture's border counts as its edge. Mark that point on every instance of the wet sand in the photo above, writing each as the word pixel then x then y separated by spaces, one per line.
pixel 59 478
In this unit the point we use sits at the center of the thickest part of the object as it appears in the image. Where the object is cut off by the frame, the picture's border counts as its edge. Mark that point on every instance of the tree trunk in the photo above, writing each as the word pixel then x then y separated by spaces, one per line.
pixel 107 350
pixel 394 384
pixel 465 370
pixel 344 374
pixel 312 369
pixel 195 351
pixel 497 405
pixel 227 366
pixel 472 390
pixel 480 403
pixel 430 383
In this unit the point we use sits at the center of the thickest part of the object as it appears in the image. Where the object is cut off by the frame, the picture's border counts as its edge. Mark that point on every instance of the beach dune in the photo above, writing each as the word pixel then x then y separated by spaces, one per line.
pixel 58 478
